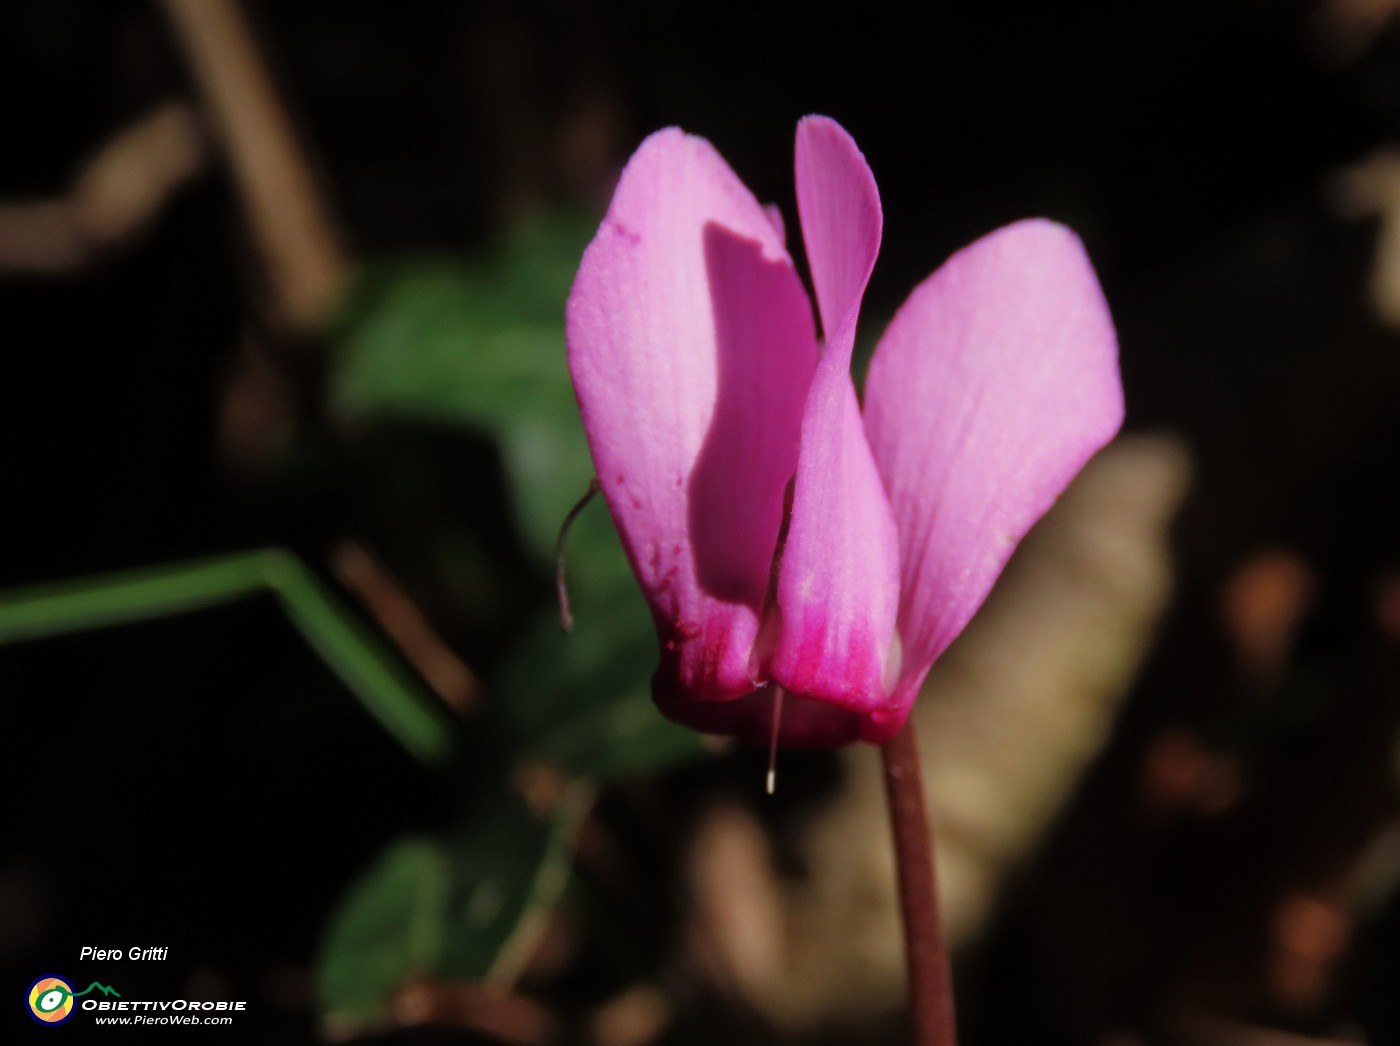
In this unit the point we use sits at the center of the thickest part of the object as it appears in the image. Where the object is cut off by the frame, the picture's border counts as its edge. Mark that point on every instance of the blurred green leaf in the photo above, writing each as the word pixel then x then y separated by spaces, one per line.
pixel 390 928
pixel 371 671
pixel 481 344
pixel 582 701
pixel 468 906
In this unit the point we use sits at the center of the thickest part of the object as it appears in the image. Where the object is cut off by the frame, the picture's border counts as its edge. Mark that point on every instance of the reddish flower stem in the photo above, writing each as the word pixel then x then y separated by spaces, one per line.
pixel 930 985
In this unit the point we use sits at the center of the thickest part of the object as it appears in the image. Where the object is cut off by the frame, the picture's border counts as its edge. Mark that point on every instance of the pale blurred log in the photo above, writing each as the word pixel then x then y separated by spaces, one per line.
pixel 1008 720
pixel 114 198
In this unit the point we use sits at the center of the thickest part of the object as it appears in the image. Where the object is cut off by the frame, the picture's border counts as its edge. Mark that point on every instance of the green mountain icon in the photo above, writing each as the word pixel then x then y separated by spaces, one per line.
pixel 103 988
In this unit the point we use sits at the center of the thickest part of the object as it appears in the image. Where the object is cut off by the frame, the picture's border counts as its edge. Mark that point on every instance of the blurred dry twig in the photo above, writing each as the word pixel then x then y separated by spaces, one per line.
pixel 358 570
pixel 114 197
pixel 290 223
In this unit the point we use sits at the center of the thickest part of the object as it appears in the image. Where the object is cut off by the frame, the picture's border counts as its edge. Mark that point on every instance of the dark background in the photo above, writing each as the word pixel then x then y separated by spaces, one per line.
pixel 204 783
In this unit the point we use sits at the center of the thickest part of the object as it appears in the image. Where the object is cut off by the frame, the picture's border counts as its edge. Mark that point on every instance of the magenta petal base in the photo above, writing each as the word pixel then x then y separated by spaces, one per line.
pixel 804 723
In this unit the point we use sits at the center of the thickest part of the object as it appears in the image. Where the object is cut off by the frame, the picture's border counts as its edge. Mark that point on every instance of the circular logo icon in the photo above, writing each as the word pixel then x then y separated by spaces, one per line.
pixel 51 1000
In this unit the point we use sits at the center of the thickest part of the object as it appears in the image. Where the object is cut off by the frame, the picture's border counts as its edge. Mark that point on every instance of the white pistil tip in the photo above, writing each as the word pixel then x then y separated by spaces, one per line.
pixel 772 780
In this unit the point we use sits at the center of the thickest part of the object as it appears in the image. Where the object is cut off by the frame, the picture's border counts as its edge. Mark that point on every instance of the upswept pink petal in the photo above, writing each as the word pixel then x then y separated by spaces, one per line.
pixel 839 206
pixel 691 346
pixel 994 384
pixel 838 581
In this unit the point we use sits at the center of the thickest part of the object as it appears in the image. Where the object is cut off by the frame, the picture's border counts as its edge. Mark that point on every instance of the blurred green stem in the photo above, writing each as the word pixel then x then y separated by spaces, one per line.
pixel 358 658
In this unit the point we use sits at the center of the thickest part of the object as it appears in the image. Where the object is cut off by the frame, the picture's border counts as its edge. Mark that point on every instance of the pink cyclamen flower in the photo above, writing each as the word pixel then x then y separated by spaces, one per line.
pixel 782 537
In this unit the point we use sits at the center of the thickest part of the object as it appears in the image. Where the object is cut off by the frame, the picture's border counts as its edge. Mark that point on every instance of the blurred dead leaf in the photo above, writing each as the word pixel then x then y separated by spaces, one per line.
pixel 1008 719
pixel 737 897
pixel 634 1017
pixel 1261 607
pixel 1372 189
pixel 258 409
pixel 1346 28
pixel 1180 774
